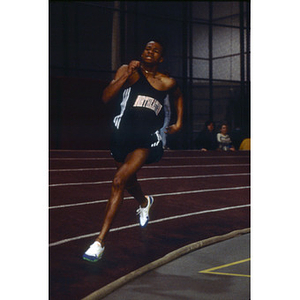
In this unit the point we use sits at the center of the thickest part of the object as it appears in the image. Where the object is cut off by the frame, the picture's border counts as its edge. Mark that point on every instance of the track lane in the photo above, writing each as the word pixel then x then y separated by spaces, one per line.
pixel 72 278
pixel 57 164
pixel 131 248
pixel 71 219
pixel 66 194
pixel 101 175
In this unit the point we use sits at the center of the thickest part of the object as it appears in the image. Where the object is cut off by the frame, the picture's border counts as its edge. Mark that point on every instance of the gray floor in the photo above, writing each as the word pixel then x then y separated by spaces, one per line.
pixel 181 278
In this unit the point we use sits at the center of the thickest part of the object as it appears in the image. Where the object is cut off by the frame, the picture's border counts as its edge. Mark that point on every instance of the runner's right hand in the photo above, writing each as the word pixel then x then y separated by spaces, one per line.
pixel 133 66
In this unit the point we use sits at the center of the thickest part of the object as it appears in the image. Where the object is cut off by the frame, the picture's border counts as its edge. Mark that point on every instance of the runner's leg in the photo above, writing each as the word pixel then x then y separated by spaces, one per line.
pixel 134 161
pixel 134 189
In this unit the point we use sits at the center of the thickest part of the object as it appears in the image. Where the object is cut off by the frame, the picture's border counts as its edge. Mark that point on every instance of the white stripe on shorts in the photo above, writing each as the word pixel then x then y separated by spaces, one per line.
pixel 159 138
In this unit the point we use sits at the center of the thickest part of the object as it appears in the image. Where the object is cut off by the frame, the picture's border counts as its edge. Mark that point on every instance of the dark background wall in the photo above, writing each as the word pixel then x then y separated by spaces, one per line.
pixel 207 52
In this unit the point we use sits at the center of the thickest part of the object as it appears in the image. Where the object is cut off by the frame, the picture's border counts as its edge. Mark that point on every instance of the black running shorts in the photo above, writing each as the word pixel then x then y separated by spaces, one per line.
pixel 122 145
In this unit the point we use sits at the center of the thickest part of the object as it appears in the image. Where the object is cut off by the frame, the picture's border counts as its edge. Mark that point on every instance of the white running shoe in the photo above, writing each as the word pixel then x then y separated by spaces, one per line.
pixel 144 211
pixel 94 253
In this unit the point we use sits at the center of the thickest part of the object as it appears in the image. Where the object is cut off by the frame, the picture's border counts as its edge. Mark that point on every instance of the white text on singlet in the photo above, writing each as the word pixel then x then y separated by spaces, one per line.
pixel 148 102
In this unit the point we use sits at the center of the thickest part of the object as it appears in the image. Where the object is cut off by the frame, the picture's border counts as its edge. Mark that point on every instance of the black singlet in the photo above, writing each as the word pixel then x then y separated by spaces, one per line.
pixel 139 117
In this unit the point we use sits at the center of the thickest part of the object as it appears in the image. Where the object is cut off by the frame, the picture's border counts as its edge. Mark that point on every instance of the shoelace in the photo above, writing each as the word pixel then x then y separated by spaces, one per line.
pixel 140 210
pixel 95 247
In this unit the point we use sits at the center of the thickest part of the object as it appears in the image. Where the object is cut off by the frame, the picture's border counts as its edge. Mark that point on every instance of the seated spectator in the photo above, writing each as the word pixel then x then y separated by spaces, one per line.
pixel 206 140
pixel 224 140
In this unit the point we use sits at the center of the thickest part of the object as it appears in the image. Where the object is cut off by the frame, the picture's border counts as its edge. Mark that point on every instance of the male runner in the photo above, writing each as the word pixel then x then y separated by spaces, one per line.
pixel 140 91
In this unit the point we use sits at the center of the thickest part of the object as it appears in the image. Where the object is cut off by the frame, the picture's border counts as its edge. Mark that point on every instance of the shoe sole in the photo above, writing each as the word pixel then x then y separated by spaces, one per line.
pixel 91 258
pixel 151 202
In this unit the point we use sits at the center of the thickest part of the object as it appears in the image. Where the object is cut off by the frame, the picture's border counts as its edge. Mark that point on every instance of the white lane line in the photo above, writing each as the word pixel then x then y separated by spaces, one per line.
pixel 108 151
pixel 155 195
pixel 150 222
pixel 70 150
pixel 164 158
pixel 81 158
pixel 150 167
pixel 151 178
pixel 79 183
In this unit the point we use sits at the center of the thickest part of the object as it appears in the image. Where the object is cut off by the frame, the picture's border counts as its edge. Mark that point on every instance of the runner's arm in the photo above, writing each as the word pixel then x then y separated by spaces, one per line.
pixel 123 73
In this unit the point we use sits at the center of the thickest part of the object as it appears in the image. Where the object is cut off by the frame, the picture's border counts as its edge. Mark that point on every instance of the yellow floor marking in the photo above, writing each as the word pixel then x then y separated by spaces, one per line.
pixel 210 271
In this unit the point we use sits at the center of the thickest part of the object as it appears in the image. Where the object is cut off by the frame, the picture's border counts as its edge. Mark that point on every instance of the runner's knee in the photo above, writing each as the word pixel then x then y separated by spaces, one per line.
pixel 119 182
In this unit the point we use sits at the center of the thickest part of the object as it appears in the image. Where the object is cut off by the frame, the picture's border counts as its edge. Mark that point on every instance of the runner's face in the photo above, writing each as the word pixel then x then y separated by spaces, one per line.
pixel 152 53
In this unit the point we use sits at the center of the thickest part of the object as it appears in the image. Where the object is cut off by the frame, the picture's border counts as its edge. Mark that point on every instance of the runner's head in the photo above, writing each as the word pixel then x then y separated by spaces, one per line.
pixel 153 52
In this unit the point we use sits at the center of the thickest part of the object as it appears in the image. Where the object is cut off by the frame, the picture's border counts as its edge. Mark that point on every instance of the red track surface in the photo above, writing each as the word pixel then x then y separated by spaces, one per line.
pixel 183 182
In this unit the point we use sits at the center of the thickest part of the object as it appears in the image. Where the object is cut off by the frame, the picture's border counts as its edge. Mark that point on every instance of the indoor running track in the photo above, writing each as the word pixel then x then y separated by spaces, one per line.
pixel 197 195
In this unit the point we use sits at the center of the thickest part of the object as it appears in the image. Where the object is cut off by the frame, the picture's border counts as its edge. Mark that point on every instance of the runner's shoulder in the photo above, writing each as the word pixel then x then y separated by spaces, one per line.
pixel 168 81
